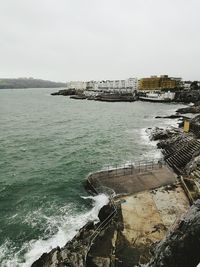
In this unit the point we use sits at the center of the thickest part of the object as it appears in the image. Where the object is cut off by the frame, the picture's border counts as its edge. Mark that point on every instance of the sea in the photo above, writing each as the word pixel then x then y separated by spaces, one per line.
pixel 48 146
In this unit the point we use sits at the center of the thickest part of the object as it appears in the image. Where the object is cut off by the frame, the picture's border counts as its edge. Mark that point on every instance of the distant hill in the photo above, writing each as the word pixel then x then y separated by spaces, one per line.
pixel 28 83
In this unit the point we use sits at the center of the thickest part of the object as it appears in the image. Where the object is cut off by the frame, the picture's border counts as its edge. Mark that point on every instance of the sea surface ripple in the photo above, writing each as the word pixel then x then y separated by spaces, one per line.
pixel 48 145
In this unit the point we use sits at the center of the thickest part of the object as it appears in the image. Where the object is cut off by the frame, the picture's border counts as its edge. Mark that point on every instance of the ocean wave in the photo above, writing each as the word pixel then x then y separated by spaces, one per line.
pixel 144 135
pixel 152 155
pixel 67 226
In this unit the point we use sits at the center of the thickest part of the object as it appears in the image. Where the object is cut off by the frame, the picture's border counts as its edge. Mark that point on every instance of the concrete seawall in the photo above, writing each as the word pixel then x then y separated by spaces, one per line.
pixel 131 179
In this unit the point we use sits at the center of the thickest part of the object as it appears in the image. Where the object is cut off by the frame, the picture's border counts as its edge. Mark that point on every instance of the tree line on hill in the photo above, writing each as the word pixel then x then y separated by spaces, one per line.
pixel 28 83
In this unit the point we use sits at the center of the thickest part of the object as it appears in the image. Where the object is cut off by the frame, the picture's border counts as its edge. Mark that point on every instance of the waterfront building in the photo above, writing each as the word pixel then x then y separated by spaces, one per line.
pixel 132 83
pixel 92 85
pixel 79 85
pixel 127 85
pixel 159 83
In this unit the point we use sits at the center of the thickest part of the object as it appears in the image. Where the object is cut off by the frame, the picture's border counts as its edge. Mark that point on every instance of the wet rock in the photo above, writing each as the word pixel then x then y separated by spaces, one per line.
pixel 75 252
pixel 173 116
pixel 116 97
pixel 99 262
pixel 187 96
pixel 192 109
pixel 65 92
pixel 46 259
pixel 181 246
pixel 81 96
pixel 161 134
pixel 105 212
pixel 103 250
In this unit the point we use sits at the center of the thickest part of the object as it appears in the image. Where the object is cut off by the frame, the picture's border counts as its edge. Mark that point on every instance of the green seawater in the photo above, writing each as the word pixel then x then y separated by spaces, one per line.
pixel 48 145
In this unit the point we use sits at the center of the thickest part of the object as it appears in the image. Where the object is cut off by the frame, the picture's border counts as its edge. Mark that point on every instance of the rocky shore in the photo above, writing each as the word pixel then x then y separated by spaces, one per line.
pixel 181 96
pixel 101 96
pixel 151 228
pixel 187 96
pixel 87 248
pixel 65 92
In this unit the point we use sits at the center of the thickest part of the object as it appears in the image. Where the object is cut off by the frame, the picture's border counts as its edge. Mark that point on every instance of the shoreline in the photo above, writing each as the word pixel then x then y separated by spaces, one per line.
pixel 181 96
pixel 113 224
pixel 64 229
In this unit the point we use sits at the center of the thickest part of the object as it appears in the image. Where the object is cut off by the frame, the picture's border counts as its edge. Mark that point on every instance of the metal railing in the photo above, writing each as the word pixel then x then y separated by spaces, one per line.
pixel 110 193
pixel 105 222
pixel 128 169
pixel 140 166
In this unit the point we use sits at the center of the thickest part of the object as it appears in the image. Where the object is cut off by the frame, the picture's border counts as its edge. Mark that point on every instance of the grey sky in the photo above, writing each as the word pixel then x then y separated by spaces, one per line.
pixel 99 39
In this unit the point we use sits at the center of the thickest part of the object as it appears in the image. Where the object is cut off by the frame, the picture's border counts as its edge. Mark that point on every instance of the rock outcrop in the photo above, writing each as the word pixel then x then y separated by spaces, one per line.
pixel 162 134
pixel 181 246
pixel 195 126
pixel 72 254
pixel 116 97
pixel 75 252
pixel 66 92
pixel 193 109
pixel 187 96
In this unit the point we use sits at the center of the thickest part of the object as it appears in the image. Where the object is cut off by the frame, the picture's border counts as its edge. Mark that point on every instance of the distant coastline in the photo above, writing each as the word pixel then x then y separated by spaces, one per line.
pixel 25 83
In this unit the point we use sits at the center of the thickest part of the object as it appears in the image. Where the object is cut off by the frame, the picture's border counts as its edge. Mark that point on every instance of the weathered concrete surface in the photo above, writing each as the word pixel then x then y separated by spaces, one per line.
pixel 137 182
pixel 171 203
pixel 149 214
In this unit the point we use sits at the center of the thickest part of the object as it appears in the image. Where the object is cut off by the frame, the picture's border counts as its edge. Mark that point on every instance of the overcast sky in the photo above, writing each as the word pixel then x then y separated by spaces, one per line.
pixel 66 40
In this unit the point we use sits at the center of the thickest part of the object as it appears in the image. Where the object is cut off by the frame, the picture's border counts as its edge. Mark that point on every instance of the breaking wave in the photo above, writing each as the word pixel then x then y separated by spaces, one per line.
pixel 67 226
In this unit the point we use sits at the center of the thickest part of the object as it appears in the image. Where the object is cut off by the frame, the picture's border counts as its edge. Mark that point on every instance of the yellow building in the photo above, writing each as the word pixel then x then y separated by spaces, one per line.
pixel 158 83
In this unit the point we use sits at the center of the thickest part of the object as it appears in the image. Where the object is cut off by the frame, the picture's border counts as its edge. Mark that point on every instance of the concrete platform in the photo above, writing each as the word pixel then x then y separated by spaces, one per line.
pixel 148 215
pixel 136 182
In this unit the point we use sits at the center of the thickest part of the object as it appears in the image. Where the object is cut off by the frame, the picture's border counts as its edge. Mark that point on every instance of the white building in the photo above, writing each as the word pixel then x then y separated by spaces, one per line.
pixel 92 85
pixel 80 85
pixel 132 83
pixel 128 85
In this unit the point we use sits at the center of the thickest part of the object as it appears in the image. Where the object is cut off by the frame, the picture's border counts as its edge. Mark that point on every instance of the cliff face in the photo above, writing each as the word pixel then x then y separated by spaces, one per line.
pixel 181 246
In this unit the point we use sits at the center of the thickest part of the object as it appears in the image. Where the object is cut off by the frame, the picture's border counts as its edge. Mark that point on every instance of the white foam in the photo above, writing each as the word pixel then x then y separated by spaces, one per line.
pixel 145 133
pixel 68 227
pixel 153 154
pixel 170 122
